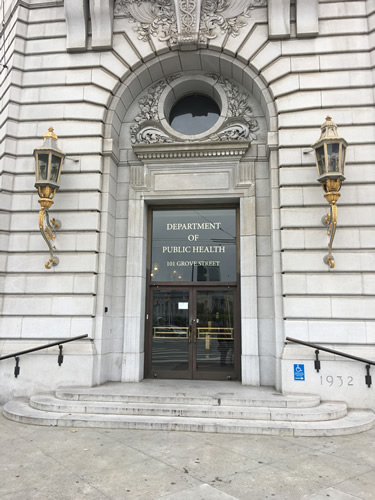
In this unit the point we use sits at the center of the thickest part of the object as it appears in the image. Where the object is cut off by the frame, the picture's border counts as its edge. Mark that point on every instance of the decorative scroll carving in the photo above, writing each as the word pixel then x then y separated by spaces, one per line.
pixel 153 18
pixel 158 18
pixel 240 124
pixel 234 131
pixel 222 16
pixel 148 105
pixel 245 125
pixel 150 134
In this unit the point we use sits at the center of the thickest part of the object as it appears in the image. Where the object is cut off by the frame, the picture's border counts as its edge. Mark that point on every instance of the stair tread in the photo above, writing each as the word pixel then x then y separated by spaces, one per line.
pixel 355 421
pixel 237 398
pixel 324 410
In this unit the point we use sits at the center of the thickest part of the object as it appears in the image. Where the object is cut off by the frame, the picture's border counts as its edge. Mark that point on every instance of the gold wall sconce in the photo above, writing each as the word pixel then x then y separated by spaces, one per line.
pixel 48 162
pixel 330 150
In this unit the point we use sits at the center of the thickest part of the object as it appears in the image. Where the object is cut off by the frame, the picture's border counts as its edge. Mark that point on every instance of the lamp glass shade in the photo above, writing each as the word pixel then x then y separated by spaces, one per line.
pixel 42 163
pixel 55 168
pixel 50 142
pixel 343 155
pixel 320 160
pixel 333 157
pixel 330 151
pixel 48 161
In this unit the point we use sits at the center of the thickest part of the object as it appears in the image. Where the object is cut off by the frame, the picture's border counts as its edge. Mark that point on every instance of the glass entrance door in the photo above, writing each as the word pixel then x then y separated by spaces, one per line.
pixel 170 333
pixel 214 332
pixel 192 333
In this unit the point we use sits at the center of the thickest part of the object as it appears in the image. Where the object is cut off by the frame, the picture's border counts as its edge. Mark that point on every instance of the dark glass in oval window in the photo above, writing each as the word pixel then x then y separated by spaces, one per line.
pixel 194 114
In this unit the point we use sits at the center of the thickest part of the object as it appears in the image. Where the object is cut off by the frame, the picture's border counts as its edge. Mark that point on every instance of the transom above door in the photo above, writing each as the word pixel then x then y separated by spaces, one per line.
pixel 193 245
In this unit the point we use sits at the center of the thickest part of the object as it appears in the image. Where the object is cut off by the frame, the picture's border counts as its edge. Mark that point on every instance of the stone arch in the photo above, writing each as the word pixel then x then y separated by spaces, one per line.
pixel 127 364
pixel 166 64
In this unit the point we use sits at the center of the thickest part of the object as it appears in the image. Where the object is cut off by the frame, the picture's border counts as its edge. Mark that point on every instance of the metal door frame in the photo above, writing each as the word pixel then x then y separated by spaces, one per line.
pixel 192 287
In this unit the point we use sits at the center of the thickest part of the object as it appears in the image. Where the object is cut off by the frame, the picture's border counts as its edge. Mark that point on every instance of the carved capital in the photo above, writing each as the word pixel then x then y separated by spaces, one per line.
pixel 245 173
pixel 137 176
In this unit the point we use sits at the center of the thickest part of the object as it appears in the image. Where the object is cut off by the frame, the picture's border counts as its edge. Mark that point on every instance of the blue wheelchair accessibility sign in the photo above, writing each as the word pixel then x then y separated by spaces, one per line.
pixel 299 372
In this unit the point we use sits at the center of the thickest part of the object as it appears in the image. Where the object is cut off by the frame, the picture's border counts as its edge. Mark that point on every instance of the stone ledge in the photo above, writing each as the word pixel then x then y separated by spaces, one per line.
pixel 193 150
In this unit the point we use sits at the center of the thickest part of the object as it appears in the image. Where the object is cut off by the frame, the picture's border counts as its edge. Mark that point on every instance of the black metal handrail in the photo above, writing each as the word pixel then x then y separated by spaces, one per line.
pixel 60 358
pixel 318 348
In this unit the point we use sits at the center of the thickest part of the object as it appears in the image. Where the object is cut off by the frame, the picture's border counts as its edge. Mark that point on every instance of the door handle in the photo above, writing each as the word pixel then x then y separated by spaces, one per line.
pixel 192 336
pixel 195 333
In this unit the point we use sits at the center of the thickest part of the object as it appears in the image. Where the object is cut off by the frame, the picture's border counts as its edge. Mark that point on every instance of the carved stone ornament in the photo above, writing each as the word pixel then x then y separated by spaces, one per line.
pixel 153 18
pixel 181 21
pixel 240 122
pixel 239 125
pixel 223 16
pixel 147 129
pixel 188 15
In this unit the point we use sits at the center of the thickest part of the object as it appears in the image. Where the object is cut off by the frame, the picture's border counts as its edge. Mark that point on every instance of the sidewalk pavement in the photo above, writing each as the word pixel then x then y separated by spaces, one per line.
pixel 52 463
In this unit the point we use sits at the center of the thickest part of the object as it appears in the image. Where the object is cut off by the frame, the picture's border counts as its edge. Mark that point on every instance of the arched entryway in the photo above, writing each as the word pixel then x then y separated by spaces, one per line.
pixel 162 170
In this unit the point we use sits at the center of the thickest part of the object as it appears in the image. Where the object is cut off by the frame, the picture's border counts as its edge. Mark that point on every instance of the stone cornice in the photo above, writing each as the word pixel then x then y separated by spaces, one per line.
pixel 234 149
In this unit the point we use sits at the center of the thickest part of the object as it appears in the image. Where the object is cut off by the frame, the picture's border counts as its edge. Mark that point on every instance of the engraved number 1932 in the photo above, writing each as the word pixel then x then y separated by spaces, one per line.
pixel 338 381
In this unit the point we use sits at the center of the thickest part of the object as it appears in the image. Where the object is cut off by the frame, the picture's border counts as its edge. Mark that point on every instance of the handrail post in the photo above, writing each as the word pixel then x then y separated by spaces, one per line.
pixel 368 376
pixel 317 361
pixel 17 367
pixel 60 357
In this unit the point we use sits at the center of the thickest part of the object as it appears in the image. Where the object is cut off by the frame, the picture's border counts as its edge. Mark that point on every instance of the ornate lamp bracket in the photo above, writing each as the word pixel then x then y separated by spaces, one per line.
pixel 330 220
pixel 330 152
pixel 48 226
pixel 48 162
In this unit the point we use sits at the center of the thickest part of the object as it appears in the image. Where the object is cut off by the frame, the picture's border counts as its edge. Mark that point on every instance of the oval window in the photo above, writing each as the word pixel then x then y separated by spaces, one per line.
pixel 194 114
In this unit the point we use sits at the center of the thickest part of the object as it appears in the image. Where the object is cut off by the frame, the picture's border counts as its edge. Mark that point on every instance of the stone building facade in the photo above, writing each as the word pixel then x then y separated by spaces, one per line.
pixel 106 76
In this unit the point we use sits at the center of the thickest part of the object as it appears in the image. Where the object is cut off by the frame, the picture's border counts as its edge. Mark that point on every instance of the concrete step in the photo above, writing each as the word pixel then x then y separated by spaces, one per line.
pixel 199 406
pixel 355 421
pixel 326 411
pixel 233 396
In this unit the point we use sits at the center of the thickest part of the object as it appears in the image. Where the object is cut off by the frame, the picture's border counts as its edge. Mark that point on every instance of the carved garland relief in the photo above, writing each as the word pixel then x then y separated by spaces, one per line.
pixel 239 124
pixel 159 18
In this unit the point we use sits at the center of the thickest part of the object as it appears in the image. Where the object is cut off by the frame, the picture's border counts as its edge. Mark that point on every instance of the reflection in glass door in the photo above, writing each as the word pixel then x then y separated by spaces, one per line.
pixel 193 333
pixel 214 331
pixel 170 331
